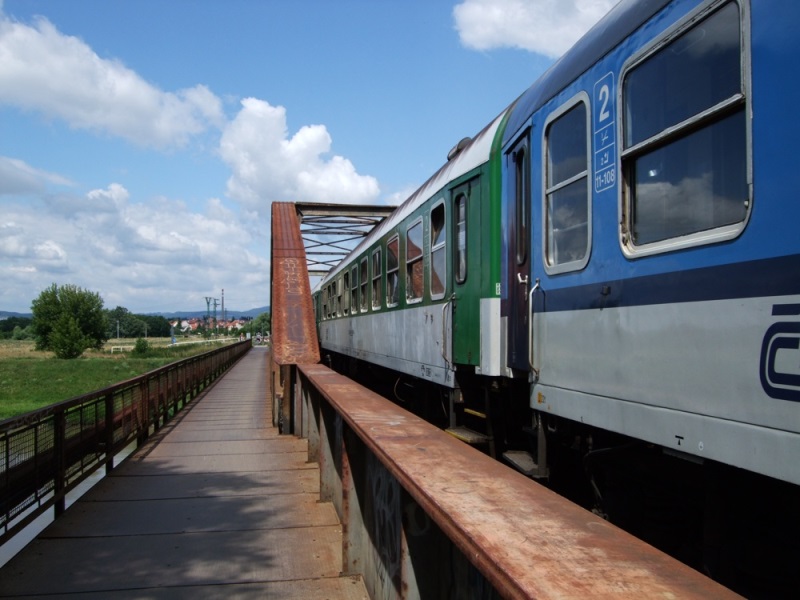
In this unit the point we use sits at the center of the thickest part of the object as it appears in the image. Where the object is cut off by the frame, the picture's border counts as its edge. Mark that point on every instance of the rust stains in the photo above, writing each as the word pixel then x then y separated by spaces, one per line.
pixel 526 540
pixel 294 334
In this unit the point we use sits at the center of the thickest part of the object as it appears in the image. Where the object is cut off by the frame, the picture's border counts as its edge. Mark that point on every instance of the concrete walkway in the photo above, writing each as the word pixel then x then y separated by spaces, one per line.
pixel 217 505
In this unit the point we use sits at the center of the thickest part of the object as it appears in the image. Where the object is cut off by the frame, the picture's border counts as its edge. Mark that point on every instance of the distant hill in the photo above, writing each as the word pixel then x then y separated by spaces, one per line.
pixel 4 314
pixel 231 314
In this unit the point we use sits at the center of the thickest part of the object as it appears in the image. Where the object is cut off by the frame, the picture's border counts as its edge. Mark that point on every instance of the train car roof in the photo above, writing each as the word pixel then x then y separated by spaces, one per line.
pixel 620 22
pixel 474 153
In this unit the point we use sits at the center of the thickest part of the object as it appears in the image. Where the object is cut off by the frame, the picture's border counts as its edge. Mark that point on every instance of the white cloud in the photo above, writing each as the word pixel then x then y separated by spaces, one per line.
pixel 18 177
pixel 269 165
pixel 42 69
pixel 146 256
pixel 50 252
pixel 158 253
pixel 548 27
pixel 115 195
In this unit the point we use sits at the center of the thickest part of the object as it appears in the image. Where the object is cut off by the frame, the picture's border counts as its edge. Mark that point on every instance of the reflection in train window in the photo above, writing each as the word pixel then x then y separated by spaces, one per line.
pixel 685 135
pixel 342 293
pixel 414 270
pixel 346 293
pixel 354 289
pixel 377 271
pixel 567 197
pixel 438 258
pixel 392 271
pixel 363 281
pixel 461 238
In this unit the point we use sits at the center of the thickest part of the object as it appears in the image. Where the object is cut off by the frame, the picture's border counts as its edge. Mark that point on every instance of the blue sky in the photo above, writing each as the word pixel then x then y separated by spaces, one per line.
pixel 142 142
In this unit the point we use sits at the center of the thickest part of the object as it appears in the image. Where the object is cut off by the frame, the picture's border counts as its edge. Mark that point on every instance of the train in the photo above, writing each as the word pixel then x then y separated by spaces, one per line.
pixel 602 286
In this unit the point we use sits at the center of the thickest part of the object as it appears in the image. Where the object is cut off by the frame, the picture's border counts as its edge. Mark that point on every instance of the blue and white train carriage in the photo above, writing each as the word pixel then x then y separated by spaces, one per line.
pixel 660 274
pixel 662 269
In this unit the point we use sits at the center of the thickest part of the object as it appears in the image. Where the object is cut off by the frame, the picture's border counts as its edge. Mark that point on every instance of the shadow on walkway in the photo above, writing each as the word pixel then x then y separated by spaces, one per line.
pixel 217 505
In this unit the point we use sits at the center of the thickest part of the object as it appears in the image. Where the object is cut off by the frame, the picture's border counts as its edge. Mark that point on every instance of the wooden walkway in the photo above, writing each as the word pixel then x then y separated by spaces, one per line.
pixel 217 505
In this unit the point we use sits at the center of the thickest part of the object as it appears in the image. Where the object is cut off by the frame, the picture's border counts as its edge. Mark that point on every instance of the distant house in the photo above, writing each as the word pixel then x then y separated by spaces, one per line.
pixel 190 325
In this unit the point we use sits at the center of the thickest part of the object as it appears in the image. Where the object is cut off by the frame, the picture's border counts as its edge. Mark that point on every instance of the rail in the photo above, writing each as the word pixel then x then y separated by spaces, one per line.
pixel 47 453
pixel 426 516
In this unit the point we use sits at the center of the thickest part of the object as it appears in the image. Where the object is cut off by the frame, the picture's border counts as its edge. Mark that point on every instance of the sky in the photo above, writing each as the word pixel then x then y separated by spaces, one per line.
pixel 142 142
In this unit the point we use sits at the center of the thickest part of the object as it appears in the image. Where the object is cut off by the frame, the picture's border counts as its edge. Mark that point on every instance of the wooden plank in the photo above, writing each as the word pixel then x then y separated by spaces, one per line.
pixel 87 564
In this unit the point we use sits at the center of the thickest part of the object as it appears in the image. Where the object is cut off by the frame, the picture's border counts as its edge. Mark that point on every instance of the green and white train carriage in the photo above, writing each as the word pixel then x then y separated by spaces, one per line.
pixel 420 295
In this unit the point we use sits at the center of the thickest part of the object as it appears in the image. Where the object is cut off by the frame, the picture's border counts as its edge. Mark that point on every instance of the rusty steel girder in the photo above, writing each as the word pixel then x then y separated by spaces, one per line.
pixel 527 541
pixel 294 333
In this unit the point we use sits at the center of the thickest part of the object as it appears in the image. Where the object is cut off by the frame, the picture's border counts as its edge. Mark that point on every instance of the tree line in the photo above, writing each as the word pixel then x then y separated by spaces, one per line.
pixel 69 320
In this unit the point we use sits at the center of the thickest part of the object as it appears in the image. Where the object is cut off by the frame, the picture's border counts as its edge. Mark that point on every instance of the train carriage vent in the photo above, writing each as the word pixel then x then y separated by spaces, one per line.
pixel 456 150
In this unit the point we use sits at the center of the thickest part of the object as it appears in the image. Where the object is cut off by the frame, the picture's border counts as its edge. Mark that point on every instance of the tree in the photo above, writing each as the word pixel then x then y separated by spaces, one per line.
pixel 122 321
pixel 22 334
pixel 9 326
pixel 66 338
pixel 135 326
pixel 68 320
pixel 157 326
pixel 261 324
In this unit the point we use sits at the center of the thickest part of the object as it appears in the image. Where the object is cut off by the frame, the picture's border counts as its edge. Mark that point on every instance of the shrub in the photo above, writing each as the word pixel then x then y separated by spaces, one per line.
pixel 142 348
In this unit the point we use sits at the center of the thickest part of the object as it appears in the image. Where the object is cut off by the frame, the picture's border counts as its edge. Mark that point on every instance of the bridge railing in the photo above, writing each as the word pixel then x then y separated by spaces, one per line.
pixel 47 453
pixel 427 516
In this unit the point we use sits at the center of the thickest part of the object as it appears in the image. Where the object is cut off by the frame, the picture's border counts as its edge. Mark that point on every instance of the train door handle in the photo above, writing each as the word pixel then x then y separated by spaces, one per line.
pixel 523 281
pixel 444 331
pixel 534 370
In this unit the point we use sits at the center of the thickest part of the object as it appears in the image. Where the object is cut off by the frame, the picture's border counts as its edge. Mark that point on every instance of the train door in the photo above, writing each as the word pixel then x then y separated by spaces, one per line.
pixel 466 272
pixel 518 207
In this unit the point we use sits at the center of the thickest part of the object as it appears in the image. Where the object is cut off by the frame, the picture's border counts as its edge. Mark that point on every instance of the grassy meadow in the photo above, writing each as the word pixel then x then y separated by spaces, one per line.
pixel 30 379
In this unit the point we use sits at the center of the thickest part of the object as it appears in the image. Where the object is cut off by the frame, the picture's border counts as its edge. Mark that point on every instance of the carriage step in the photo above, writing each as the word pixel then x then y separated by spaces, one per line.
pixel 523 462
pixel 468 435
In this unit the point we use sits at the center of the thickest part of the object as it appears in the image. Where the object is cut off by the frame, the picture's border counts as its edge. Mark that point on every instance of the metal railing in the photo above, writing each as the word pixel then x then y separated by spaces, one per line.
pixel 47 453
pixel 426 516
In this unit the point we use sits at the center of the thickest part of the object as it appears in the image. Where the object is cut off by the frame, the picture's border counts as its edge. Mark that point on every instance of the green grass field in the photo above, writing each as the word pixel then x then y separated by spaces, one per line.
pixel 30 380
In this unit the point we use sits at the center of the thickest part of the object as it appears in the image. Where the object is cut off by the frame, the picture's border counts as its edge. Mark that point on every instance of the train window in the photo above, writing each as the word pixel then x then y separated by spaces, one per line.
pixel 685 135
pixel 363 280
pixel 393 271
pixel 438 254
pixel 346 293
pixel 566 203
pixel 521 200
pixel 414 270
pixel 339 300
pixel 376 278
pixel 354 289
pixel 324 295
pixel 330 302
